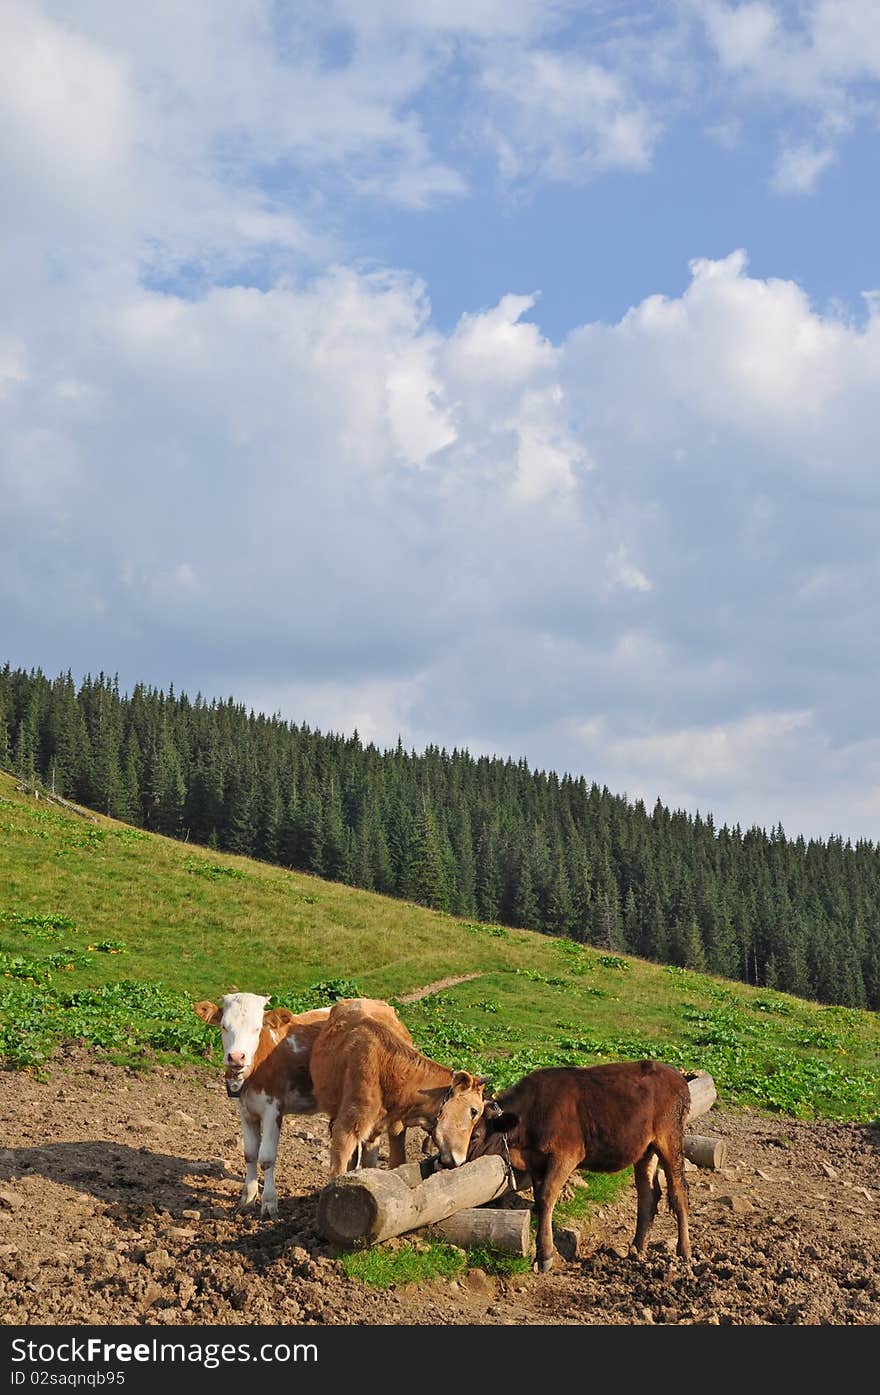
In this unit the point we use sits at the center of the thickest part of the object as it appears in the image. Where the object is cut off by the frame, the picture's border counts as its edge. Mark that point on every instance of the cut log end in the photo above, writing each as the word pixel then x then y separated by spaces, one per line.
pixel 702 1091
pixel 705 1152
pixel 363 1208
pixel 347 1215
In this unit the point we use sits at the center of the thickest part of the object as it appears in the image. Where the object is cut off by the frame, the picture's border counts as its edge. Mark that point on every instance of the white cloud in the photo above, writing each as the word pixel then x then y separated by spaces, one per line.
pixel 65 102
pixel 378 709
pixel 13 366
pixel 498 348
pixel 650 549
pixel 749 354
pixel 486 19
pixel 420 424
pixel 742 34
pixel 817 60
pixel 623 572
pixel 226 144
pixel 557 117
pixel 701 757
pixel 544 462
pixel 799 167
pixel 808 52
pixel 114 139
pixel 481 537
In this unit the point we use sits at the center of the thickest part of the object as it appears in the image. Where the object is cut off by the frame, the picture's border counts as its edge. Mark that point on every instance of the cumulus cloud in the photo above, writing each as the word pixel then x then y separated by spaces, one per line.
pixel 645 533
pixel 234 460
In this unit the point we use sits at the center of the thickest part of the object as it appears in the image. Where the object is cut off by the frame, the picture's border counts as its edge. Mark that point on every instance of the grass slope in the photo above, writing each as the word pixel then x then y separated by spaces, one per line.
pixel 108 934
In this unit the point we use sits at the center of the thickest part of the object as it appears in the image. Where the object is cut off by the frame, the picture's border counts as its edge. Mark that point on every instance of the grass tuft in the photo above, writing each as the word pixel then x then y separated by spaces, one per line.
pixel 420 1261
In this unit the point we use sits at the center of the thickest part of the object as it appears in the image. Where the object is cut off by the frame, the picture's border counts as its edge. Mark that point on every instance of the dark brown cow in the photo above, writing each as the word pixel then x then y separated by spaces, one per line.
pixel 604 1118
pixel 367 1078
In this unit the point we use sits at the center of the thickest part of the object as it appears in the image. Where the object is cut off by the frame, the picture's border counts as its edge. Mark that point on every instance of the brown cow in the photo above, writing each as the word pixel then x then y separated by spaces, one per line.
pixel 266 1059
pixel 367 1079
pixel 604 1118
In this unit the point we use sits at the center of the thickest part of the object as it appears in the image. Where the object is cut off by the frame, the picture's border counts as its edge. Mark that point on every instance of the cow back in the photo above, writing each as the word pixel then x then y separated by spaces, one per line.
pixel 610 1112
pixel 363 1055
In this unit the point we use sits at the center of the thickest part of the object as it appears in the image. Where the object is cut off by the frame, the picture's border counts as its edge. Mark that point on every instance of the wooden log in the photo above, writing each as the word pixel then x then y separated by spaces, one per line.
pixel 363 1208
pixel 703 1093
pixel 415 1173
pixel 507 1231
pixel 705 1152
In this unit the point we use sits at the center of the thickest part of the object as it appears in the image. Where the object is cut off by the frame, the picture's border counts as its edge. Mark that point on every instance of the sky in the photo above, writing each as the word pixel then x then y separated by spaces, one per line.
pixel 501 375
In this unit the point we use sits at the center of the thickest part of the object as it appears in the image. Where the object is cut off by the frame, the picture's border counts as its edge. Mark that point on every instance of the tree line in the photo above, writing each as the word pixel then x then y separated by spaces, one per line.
pixel 484 838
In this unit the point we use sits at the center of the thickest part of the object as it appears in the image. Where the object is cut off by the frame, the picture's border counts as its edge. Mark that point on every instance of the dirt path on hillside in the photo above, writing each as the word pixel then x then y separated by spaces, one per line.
pixel 437 987
pixel 117 1196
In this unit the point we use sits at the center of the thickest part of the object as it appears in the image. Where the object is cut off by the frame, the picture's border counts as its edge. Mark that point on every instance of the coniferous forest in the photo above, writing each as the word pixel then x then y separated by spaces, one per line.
pixel 488 839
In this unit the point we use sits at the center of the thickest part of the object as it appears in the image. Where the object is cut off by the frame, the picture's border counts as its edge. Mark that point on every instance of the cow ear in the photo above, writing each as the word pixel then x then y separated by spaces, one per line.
pixel 503 1123
pixel 462 1080
pixel 481 1081
pixel 208 1012
pixel 279 1017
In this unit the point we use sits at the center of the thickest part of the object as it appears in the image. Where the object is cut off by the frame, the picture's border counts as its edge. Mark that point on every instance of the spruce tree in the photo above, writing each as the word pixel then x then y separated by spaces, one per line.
pixel 560 914
pixel 488 876
pixel 526 911
pixel 23 756
pixel 427 875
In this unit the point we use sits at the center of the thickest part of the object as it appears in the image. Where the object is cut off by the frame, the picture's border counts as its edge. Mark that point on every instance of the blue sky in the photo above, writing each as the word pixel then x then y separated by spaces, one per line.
pixel 500 375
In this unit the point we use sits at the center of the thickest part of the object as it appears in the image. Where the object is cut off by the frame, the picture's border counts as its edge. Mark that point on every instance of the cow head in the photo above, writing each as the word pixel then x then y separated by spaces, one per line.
pixel 459 1113
pixel 489 1129
pixel 241 1019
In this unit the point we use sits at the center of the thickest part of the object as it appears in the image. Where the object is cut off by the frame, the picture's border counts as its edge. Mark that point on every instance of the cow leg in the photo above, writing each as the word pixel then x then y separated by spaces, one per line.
pixel 268 1154
pixel 369 1155
pixel 396 1145
pixel 250 1128
pixel 672 1158
pixel 343 1145
pixel 548 1183
pixel 648 1193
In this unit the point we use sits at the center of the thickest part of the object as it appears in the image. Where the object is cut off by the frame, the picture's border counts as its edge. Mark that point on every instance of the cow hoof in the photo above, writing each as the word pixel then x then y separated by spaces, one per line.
pixel 270 1209
pixel 247 1203
pixel 544 1266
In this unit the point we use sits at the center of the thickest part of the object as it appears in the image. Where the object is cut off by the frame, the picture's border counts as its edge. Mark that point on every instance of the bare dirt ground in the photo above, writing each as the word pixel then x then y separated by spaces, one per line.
pixel 117 1206
pixel 437 987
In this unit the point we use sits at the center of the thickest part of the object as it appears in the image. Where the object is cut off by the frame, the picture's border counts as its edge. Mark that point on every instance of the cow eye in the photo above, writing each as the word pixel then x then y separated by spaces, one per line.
pixel 473 1113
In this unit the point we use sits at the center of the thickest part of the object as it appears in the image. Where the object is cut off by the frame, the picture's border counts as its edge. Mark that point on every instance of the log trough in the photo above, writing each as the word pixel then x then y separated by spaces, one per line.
pixel 365 1207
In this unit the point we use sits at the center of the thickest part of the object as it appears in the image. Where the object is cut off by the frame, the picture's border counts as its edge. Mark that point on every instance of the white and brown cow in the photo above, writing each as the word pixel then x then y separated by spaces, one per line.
pixel 266 1060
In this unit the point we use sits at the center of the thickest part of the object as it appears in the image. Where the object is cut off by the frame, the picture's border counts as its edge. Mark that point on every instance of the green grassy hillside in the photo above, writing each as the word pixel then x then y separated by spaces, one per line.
pixel 108 934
